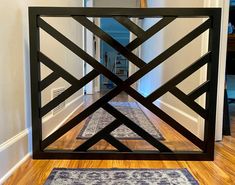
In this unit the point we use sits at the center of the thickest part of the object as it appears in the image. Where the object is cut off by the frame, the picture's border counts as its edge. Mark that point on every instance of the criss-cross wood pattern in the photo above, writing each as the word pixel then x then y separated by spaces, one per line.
pixel 168 15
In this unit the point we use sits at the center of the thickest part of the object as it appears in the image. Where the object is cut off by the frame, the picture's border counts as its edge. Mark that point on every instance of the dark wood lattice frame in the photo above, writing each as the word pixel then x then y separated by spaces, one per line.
pixel 121 15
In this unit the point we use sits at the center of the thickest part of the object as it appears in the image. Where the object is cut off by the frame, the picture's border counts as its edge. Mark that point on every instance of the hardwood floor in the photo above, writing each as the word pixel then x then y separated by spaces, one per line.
pixel 221 171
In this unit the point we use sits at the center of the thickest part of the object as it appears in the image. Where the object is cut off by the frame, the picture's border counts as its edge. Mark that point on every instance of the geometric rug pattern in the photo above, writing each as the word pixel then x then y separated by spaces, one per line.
pixel 60 176
pixel 101 118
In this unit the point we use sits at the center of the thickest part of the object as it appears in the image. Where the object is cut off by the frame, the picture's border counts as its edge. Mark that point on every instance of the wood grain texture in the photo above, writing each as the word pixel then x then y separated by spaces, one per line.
pixel 221 171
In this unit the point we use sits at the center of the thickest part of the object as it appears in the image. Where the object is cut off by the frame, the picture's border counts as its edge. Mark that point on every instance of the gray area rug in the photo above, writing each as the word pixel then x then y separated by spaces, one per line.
pixel 120 177
pixel 101 118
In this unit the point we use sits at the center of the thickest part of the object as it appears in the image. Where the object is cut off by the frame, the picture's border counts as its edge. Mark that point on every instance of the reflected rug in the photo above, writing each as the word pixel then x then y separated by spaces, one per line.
pixel 99 119
pixel 61 176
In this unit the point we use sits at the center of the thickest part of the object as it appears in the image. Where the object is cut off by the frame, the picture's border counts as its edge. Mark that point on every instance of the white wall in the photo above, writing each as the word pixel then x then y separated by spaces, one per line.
pixel 13 126
pixel 15 114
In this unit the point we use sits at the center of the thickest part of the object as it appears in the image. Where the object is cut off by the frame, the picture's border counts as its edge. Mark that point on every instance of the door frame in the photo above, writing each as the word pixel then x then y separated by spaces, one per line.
pixel 222 63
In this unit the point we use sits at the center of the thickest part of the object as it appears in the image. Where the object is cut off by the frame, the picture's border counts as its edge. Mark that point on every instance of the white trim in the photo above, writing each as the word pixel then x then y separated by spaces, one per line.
pixel 97 56
pixel 83 47
pixel 188 116
pixel 14 168
pixel 222 65
pixel 189 122
pixel 89 48
pixel 133 68
pixel 14 139
pixel 15 158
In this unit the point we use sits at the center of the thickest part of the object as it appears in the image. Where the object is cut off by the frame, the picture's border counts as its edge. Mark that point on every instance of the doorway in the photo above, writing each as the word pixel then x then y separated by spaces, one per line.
pixel 111 58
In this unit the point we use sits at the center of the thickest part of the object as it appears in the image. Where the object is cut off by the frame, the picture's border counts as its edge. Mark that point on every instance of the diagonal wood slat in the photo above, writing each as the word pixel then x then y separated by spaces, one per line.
pixel 139 32
pixel 68 92
pixel 189 102
pixel 117 144
pixel 109 40
pixel 199 90
pixel 150 32
pixel 154 63
pixel 57 69
pixel 170 121
pixel 48 80
pixel 78 51
pixel 75 49
pixel 81 116
pixel 169 52
pixel 179 77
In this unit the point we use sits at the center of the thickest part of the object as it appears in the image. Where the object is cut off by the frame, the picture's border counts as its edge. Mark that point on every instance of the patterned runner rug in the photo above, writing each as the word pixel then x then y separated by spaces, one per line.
pixel 120 177
pixel 101 118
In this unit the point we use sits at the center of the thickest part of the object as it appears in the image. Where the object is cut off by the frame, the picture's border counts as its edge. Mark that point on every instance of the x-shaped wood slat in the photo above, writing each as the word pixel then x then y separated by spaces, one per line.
pixel 199 90
pixel 160 113
pixel 136 128
pixel 126 85
pixel 78 51
pixel 139 32
pixel 98 136
pixel 149 33
pixel 121 119
pixel 109 40
pixel 94 63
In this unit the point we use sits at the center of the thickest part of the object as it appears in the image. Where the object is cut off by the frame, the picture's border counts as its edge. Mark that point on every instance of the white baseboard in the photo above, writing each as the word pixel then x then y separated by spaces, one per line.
pixel 51 122
pixel 13 153
pixel 186 120
pixel 12 170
